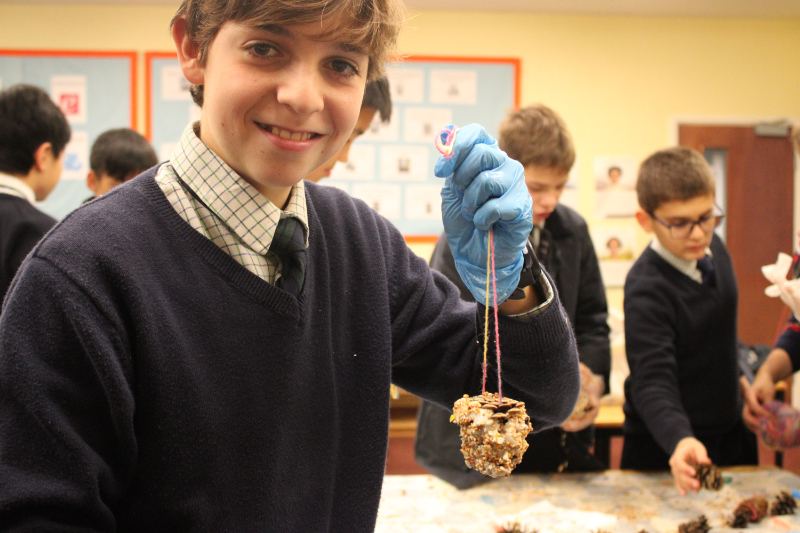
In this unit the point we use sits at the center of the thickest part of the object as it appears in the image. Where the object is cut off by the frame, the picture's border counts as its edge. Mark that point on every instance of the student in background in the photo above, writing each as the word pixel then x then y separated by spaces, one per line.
pixel 33 134
pixel 210 347
pixel 683 406
pixel 117 156
pixel 784 359
pixel 539 139
pixel 377 99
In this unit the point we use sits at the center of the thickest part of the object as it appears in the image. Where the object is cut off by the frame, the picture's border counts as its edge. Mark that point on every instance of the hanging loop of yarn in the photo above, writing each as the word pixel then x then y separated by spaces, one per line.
pixel 490 270
pixel 445 140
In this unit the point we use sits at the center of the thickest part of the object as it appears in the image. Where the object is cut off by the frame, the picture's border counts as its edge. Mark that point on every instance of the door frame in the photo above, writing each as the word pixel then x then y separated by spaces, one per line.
pixel 716 120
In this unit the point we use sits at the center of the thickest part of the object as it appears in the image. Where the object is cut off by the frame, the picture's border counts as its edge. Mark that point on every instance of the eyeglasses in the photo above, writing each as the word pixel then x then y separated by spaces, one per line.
pixel 684 228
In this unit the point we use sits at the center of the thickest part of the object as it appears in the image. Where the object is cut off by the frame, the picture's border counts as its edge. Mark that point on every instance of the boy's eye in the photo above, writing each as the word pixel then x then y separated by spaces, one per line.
pixel 345 68
pixel 262 49
pixel 680 224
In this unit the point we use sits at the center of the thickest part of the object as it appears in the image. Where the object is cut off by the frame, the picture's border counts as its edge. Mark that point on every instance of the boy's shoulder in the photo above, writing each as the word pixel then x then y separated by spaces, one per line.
pixel 16 210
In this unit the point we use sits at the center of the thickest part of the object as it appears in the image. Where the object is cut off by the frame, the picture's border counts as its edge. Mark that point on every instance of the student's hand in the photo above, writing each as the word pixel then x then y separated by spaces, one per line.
pixel 592 387
pixel 761 391
pixel 689 453
pixel 484 189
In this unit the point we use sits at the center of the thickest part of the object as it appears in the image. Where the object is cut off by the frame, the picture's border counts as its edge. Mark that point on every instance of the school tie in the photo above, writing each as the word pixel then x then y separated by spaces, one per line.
pixel 706 268
pixel 543 249
pixel 289 244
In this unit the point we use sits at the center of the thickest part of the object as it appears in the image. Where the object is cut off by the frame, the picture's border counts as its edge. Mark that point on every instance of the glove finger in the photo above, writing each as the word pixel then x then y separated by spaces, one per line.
pixel 481 158
pixel 486 185
pixel 507 211
pixel 466 138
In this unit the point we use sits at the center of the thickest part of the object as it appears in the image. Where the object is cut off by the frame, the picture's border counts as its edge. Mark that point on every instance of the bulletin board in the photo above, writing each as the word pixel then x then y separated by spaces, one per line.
pixel 391 166
pixel 97 92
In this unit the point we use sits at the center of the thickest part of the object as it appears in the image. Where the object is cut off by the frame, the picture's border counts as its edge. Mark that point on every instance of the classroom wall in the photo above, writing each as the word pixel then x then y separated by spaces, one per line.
pixel 619 82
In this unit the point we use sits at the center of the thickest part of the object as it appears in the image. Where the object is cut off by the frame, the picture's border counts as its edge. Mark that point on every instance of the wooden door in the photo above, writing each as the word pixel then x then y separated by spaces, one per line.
pixel 760 194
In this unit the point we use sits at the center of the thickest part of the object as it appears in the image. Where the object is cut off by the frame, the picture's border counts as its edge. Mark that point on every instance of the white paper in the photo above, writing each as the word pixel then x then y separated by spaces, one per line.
pixel 380 131
pixel 76 157
pixel 544 516
pixel 165 151
pixel 360 165
pixel 406 84
pixel 423 123
pixel 423 202
pixel 173 85
pixel 454 87
pixel 385 199
pixel 614 246
pixel 404 163
pixel 69 93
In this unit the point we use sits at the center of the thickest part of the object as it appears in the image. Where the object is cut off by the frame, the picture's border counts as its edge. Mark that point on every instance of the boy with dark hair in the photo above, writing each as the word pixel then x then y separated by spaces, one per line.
pixel 33 134
pixel 377 99
pixel 682 404
pixel 538 138
pixel 219 358
pixel 117 156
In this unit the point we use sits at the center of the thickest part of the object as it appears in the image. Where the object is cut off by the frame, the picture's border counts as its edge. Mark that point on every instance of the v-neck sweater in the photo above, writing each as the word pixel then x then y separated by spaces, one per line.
pixel 149 382
pixel 680 340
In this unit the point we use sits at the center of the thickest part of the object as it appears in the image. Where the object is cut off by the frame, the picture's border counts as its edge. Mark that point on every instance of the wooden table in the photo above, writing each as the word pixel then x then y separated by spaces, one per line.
pixel 614 501
pixel 607 424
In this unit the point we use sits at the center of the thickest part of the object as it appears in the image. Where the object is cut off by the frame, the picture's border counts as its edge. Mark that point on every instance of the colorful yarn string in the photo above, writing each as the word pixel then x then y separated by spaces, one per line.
pixel 445 140
pixel 490 268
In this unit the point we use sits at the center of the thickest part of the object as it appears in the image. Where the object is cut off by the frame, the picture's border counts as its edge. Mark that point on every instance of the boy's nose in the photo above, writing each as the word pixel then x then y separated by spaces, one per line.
pixel 301 90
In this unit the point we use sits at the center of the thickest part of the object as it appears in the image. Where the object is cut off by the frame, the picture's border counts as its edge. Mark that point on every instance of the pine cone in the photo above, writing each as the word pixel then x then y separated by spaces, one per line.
pixel 750 510
pixel 740 518
pixel 695 526
pixel 515 527
pixel 784 504
pixel 709 477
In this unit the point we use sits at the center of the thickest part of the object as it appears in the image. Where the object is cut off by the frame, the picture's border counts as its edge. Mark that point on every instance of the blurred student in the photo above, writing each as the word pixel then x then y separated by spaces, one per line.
pixel 33 134
pixel 784 359
pixel 683 406
pixel 538 138
pixel 117 156
pixel 377 99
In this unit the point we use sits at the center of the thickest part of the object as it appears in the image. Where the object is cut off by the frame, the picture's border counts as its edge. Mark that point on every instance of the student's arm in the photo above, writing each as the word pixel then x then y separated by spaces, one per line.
pixel 591 313
pixel 438 346
pixel 66 400
pixel 776 367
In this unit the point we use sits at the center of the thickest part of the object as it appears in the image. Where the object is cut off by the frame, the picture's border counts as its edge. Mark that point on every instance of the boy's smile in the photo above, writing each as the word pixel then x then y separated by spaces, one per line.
pixel 278 102
pixel 677 211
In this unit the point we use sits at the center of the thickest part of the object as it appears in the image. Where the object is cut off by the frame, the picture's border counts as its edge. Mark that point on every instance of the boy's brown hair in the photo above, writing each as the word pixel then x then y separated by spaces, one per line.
pixel 673 174
pixel 536 135
pixel 373 24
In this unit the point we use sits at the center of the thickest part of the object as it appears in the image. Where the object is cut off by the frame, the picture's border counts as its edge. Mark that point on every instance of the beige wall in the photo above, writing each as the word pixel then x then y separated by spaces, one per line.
pixel 618 81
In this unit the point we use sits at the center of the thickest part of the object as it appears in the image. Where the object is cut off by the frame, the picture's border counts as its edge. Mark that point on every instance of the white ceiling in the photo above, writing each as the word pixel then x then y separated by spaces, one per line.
pixel 703 8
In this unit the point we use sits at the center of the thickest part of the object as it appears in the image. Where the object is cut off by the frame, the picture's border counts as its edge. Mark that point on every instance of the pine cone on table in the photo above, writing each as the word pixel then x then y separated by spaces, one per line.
pixel 749 510
pixel 709 477
pixel 695 526
pixel 784 504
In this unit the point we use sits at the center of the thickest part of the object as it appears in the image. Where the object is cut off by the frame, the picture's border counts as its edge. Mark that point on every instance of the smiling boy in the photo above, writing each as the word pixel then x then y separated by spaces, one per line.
pixel 682 404
pixel 220 358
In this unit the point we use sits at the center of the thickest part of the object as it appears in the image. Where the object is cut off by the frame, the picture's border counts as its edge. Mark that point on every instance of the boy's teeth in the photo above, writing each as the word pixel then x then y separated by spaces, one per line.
pixel 283 134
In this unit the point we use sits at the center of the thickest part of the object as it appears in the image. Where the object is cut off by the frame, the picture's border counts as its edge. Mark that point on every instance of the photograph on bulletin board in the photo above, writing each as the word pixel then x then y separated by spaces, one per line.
pixel 95 90
pixel 614 246
pixel 615 184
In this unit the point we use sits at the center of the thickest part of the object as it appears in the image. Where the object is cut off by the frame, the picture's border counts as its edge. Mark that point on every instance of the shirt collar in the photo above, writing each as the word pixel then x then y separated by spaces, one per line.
pixel 245 211
pixel 16 187
pixel 682 265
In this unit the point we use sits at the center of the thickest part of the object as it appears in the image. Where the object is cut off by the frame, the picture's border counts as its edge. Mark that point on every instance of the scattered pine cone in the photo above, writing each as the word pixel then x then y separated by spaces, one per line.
pixel 749 510
pixel 695 526
pixel 739 520
pixel 709 477
pixel 514 527
pixel 784 504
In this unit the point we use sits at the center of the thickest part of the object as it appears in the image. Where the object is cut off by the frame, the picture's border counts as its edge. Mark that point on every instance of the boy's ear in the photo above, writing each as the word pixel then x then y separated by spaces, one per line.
pixel 644 220
pixel 188 54
pixel 91 181
pixel 42 157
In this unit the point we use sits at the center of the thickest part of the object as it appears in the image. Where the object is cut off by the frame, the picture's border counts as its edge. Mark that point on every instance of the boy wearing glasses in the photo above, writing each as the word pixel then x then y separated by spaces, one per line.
pixel 683 405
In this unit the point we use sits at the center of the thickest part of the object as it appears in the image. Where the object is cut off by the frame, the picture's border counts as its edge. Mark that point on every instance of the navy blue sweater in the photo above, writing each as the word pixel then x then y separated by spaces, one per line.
pixel 149 382
pixel 680 339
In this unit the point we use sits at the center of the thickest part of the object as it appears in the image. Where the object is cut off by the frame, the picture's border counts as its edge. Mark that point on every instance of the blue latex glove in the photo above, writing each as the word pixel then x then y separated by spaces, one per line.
pixel 484 189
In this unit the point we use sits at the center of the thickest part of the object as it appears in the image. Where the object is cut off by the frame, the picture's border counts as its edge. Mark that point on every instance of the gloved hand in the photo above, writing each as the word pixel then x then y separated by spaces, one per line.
pixel 484 189
pixel 787 290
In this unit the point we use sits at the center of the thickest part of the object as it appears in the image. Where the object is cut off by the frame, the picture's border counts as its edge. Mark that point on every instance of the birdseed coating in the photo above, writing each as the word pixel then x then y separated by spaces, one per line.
pixel 492 433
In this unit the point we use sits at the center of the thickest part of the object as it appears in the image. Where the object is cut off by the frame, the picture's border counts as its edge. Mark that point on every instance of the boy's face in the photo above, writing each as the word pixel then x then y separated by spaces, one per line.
pixel 278 103
pixel 676 211
pixel 545 185
pixel 362 125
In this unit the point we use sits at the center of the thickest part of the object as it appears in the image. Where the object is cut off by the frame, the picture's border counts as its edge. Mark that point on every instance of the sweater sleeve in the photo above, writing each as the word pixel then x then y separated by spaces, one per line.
pixel 437 354
pixel 591 313
pixel 65 399
pixel 650 336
